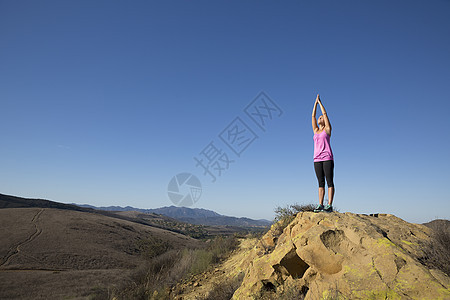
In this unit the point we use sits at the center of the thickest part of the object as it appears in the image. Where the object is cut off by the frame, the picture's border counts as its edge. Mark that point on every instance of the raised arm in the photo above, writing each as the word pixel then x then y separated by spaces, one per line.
pixel 325 116
pixel 314 121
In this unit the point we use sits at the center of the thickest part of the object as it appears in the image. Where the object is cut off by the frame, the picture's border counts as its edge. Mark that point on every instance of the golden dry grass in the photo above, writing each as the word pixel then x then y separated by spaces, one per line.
pixel 53 253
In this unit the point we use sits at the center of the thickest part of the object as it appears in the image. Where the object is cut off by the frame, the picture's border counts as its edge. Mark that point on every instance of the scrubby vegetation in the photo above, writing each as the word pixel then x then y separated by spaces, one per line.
pixel 289 211
pixel 167 267
pixel 155 279
pixel 152 247
pixel 437 250
pixel 216 250
pixel 225 290
pixel 285 215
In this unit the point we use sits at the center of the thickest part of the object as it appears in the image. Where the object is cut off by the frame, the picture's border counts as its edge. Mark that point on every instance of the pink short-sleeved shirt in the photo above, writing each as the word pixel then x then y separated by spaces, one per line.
pixel 322 147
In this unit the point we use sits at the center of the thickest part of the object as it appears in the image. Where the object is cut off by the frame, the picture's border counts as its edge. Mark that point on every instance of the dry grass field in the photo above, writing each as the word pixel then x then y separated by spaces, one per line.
pixel 48 253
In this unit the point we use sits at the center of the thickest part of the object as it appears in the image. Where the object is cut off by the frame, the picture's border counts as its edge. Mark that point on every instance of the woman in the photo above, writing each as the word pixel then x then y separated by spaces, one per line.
pixel 323 156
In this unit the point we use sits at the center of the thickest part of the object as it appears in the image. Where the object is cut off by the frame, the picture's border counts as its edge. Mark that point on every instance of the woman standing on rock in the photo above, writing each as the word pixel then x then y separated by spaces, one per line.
pixel 323 156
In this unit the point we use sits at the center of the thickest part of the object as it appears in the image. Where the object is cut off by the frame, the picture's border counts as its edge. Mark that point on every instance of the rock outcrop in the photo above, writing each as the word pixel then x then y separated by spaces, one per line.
pixel 343 256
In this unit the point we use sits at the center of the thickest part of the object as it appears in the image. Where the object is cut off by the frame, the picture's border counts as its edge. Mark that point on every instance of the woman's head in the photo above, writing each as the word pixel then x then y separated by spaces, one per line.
pixel 321 121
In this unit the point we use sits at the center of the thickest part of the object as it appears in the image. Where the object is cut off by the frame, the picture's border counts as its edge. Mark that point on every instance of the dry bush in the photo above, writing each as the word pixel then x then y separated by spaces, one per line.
pixel 154 279
pixel 222 246
pixel 437 250
pixel 201 260
pixel 225 290
pixel 285 215
pixel 289 211
pixel 151 247
pixel 258 234
pixel 296 208
pixel 218 249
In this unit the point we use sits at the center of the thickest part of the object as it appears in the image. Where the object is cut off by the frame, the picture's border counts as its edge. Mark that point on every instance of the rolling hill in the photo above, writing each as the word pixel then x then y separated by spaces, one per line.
pixel 197 216
pixel 51 250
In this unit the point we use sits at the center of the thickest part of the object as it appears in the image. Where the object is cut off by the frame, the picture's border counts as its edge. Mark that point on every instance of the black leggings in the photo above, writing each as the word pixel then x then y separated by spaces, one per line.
pixel 324 169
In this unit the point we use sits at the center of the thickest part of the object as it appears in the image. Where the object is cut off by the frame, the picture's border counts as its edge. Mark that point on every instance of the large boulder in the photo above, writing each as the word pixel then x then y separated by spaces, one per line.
pixel 344 256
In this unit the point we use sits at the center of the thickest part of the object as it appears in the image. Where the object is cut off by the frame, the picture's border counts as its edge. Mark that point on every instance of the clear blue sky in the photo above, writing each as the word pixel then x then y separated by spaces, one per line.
pixel 102 102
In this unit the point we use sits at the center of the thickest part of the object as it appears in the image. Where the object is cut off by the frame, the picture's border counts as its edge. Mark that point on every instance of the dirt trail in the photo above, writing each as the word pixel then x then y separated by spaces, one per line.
pixel 16 249
pixel 200 285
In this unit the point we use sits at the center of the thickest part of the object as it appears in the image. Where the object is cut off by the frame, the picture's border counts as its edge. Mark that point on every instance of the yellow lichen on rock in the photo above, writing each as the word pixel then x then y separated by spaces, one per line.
pixel 345 256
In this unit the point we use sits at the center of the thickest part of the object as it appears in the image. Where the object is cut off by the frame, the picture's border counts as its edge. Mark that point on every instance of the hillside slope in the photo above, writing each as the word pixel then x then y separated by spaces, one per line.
pixel 148 218
pixel 54 253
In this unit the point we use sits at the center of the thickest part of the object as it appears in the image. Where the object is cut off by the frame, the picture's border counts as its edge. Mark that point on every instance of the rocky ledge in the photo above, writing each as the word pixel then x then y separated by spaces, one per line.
pixel 344 256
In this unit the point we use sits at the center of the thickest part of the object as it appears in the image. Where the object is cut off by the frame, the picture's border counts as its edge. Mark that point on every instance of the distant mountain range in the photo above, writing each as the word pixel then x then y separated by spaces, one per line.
pixel 194 216
pixel 198 216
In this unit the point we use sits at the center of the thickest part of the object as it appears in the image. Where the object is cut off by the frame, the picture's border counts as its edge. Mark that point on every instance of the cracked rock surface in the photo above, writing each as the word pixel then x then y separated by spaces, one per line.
pixel 345 256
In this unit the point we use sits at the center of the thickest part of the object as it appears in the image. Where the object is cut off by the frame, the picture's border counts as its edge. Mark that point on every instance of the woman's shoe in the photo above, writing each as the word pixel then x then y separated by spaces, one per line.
pixel 319 208
pixel 328 208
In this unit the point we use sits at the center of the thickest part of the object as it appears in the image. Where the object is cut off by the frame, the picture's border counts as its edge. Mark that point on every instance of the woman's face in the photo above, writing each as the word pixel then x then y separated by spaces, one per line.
pixel 321 121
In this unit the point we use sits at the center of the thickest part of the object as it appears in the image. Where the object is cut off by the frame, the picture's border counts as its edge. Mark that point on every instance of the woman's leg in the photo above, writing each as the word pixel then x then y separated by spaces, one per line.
pixel 321 194
pixel 328 167
pixel 318 167
pixel 330 195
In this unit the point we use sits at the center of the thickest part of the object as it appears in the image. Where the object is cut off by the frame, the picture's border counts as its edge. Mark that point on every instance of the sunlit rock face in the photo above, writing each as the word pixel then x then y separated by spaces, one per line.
pixel 344 256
